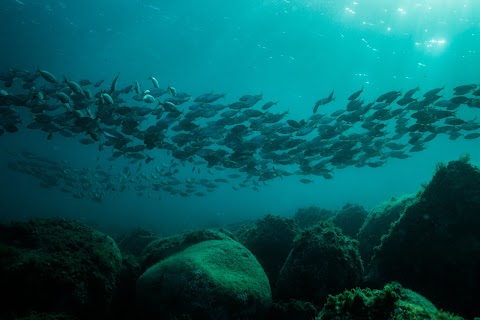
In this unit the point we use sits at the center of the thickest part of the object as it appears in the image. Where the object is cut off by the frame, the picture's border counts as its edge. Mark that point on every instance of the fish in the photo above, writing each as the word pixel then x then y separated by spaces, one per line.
pixel 238 105
pixel 106 99
pixel 207 136
pixel 86 141
pixel 471 136
pixel 87 94
pixel 464 89
pixel 169 106
pixel 172 91
pixel 268 105
pixel 75 87
pixel 209 97
pixel 63 97
pixel 306 181
pixel 388 97
pixel 84 82
pixel 355 95
pixel 294 124
pixel 136 87
pixel 460 100
pixel 405 100
pixel 433 92
pixel 323 101
pixel 154 82
pixel 148 98
pixel 98 83
pixel 113 86
pixel 47 76
pixel 411 92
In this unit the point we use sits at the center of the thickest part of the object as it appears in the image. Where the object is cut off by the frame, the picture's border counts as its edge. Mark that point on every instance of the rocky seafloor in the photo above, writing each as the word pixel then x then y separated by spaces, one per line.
pixel 413 257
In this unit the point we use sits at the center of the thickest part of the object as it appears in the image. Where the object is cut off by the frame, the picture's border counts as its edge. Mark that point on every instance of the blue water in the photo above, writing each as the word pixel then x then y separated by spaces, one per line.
pixel 291 51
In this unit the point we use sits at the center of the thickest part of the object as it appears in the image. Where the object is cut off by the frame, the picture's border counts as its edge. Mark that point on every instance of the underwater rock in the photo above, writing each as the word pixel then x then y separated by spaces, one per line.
pixel 215 279
pixel 350 219
pixel 123 306
pixel 134 242
pixel 434 247
pixel 292 309
pixel 270 240
pixel 308 217
pixel 45 316
pixel 392 302
pixel 323 261
pixel 161 248
pixel 57 265
pixel 378 223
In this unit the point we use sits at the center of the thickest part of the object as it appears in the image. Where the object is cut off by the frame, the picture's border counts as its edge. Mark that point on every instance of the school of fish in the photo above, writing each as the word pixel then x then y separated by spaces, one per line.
pixel 246 137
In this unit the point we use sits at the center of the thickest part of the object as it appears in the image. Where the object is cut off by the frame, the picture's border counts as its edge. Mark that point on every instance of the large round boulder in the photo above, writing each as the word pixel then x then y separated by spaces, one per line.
pixel 215 279
pixel 162 248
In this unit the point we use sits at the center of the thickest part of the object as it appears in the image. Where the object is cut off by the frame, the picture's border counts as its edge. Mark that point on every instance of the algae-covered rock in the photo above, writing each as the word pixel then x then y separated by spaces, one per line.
pixel 310 216
pixel 292 309
pixel 123 302
pixel 161 248
pixel 392 302
pixel 378 223
pixel 434 247
pixel 215 279
pixel 56 265
pixel 134 242
pixel 270 240
pixel 45 316
pixel 323 261
pixel 350 219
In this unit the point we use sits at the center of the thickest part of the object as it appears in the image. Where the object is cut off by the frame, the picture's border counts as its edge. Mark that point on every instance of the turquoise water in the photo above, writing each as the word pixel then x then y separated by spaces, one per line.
pixel 294 52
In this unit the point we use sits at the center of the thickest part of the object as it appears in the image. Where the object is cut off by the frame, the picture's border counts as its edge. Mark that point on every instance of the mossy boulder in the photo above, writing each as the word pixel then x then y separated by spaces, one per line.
pixel 270 240
pixel 292 310
pixel 214 279
pixel 323 261
pixel 350 219
pixel 434 247
pixel 378 223
pixel 392 302
pixel 134 242
pixel 123 303
pixel 162 248
pixel 43 316
pixel 57 265
pixel 310 216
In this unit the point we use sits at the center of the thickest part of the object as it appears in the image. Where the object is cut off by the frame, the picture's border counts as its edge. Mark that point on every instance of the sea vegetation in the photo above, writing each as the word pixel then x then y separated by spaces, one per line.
pixel 392 302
